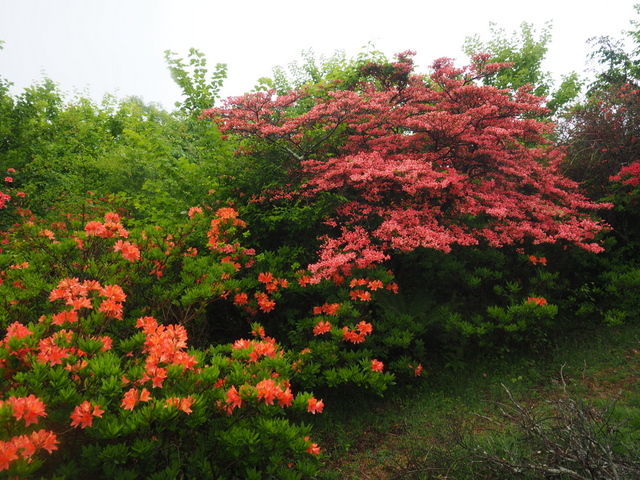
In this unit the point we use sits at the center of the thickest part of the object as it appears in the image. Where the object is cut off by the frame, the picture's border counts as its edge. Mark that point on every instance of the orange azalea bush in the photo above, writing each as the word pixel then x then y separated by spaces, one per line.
pixel 90 391
pixel 179 273
pixel 336 340
pixel 99 377
pixel 99 318
pixel 174 271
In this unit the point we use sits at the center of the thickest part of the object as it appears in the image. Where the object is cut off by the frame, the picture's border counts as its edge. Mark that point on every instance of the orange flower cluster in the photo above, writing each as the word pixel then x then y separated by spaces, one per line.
pixel 538 260
pixel 358 334
pixel 313 448
pixel 133 396
pixel 16 330
pixel 241 299
pixel 164 345
pixel 361 295
pixel 29 409
pixel 417 370
pixel 306 280
pixel 370 286
pixel 19 266
pixel 265 303
pixel 109 229
pixel 377 365
pixel 48 234
pixel 76 295
pixel 25 446
pixel 130 251
pixel 55 348
pixel 257 330
pixel 257 348
pixel 66 316
pixel 224 217
pixel 226 213
pixel 4 199
pixel 181 403
pixel 267 390
pixel 191 252
pixel 193 211
pixel 233 400
pixel 272 283
pixel 83 415
pixel 315 406
pixel 537 300
pixel 327 309
pixel 321 328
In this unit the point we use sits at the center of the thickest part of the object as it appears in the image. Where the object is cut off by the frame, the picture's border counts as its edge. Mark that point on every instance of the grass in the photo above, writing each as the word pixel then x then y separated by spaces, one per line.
pixel 430 431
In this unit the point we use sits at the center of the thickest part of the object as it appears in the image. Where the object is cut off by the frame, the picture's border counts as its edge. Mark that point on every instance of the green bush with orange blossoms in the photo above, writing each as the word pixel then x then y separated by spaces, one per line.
pixel 72 345
pixel 181 276
pixel 335 339
pixel 105 349
pixel 95 392
pixel 201 276
pixel 176 275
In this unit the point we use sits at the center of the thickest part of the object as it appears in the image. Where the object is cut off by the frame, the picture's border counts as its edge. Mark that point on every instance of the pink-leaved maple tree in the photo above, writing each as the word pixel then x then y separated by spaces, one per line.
pixel 421 161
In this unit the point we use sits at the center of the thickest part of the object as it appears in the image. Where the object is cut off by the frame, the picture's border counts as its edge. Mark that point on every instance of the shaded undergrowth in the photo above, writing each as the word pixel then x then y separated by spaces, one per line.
pixel 453 425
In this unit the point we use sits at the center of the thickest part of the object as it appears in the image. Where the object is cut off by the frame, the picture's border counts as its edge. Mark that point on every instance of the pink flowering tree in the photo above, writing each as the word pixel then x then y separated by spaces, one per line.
pixel 419 162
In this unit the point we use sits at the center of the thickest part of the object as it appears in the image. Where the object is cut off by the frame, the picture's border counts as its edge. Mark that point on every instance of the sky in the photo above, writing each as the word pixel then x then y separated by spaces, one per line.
pixel 97 47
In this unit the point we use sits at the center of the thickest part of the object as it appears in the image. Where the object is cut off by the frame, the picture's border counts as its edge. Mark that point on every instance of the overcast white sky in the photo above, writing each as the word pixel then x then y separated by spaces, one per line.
pixel 116 46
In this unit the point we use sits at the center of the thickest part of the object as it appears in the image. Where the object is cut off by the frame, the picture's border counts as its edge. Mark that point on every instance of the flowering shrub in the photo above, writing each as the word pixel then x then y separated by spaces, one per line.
pixel 95 392
pixel 603 138
pixel 335 340
pixel 419 163
pixel 97 372
pixel 177 277
pixel 174 275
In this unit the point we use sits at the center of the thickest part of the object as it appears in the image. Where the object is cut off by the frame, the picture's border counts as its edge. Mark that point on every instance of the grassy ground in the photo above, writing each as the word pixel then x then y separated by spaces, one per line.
pixel 437 430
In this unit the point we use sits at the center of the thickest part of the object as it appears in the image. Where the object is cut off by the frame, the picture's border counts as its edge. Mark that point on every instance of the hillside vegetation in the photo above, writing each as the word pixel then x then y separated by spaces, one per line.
pixel 188 294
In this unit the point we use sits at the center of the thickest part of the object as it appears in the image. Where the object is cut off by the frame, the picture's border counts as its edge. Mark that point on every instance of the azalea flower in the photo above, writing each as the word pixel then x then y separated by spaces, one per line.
pixel 321 328
pixel 83 415
pixel 27 408
pixel 315 406
pixel 377 365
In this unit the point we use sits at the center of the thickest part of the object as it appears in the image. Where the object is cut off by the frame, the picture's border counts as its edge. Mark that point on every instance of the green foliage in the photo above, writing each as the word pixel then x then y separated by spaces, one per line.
pixel 526 50
pixel 321 73
pixel 618 64
pixel 200 89
pixel 622 288
pixel 158 164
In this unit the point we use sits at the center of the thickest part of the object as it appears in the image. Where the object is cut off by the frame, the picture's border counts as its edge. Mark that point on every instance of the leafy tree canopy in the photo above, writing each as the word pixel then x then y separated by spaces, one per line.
pixel 199 88
pixel 526 51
